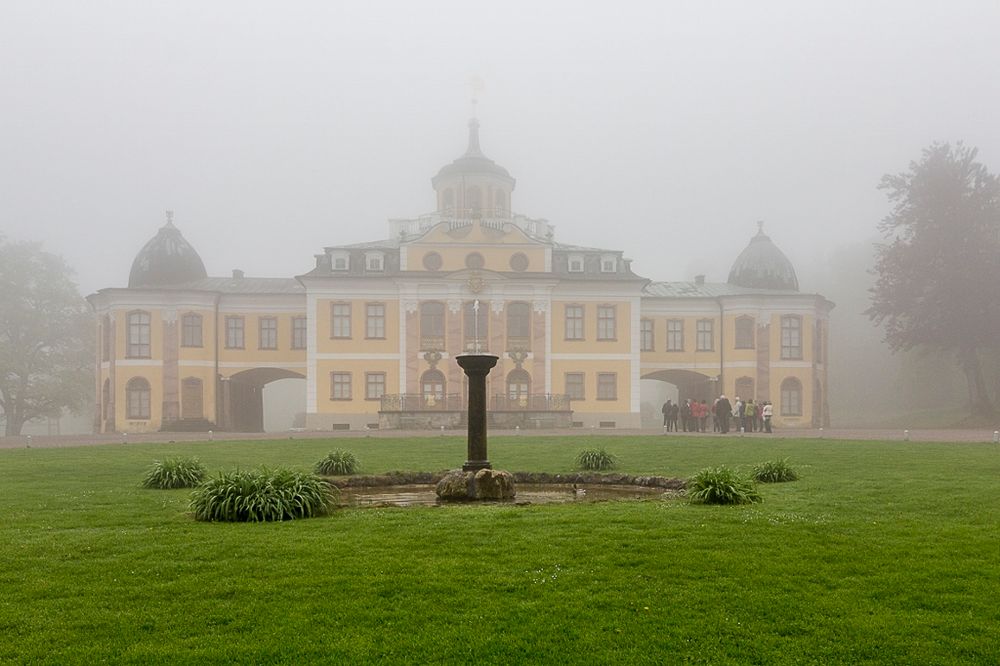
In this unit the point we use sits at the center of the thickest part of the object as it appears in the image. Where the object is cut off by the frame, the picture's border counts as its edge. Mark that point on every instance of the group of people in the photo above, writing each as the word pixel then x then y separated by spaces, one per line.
pixel 692 415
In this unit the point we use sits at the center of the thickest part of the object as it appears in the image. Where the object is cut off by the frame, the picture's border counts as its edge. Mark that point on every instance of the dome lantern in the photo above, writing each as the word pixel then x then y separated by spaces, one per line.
pixel 473 185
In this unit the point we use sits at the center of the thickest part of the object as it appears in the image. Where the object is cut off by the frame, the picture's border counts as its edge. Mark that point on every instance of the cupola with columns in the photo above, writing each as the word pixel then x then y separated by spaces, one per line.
pixel 473 186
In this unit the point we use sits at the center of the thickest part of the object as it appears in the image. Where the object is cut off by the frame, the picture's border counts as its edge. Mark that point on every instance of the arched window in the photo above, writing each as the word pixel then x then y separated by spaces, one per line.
pixel 192 400
pixel 138 335
pixel 137 398
pixel 448 202
pixel 476 326
pixel 474 201
pixel 791 397
pixel 518 385
pixel 518 326
pixel 432 325
pixel 500 203
pixel 744 333
pixel 432 387
pixel 744 387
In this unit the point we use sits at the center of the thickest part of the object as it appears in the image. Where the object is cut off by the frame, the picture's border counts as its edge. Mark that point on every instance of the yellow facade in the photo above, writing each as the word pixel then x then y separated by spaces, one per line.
pixel 374 328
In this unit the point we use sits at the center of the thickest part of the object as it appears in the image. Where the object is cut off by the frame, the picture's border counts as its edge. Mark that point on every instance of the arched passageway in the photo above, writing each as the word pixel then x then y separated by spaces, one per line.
pixel 241 398
pixel 675 385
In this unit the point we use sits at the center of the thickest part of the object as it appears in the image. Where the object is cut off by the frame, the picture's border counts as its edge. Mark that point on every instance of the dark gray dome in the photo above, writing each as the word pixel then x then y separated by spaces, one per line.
pixel 166 259
pixel 763 266
pixel 473 161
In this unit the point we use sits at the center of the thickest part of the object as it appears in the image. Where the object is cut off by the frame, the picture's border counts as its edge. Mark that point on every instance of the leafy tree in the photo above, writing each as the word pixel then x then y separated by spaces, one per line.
pixel 937 276
pixel 46 329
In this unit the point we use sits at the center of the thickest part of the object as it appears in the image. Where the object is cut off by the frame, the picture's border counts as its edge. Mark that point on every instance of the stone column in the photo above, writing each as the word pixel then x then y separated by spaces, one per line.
pixel 476 367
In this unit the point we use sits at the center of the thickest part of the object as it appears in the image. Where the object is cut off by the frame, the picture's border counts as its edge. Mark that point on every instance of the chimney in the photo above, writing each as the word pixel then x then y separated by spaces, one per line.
pixel 699 280
pixel 237 274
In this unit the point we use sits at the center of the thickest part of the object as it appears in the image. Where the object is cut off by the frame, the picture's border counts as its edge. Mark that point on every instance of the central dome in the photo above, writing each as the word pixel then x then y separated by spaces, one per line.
pixel 165 260
pixel 762 265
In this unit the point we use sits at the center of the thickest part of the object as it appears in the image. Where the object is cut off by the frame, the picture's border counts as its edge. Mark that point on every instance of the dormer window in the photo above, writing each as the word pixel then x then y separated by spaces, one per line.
pixel 576 263
pixel 375 262
pixel 340 261
pixel 609 263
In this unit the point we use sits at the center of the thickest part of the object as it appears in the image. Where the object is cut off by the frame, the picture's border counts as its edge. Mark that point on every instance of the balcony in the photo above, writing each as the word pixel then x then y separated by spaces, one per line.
pixel 415 411
pixel 491 218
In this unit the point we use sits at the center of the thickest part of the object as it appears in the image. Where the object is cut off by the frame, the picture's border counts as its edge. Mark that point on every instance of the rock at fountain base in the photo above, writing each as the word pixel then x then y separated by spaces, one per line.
pixel 486 484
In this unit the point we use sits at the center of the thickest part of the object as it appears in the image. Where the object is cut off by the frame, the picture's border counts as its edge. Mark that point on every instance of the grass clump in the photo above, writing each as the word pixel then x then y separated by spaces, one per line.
pixel 595 460
pixel 721 485
pixel 338 463
pixel 174 473
pixel 261 495
pixel 774 471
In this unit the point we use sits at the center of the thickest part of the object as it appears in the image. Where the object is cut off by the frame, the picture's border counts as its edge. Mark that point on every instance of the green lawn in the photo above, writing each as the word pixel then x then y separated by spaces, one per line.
pixel 884 552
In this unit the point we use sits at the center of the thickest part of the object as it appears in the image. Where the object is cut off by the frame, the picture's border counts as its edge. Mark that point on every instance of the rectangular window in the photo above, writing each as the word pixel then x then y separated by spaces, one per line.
pixel 606 329
pixel 375 320
pixel 575 264
pixel 574 385
pixel 234 332
pixel 518 326
pixel 607 386
pixel 744 332
pixel 706 335
pixel 299 333
pixel 191 330
pixel 138 335
pixel 374 385
pixel 374 262
pixel 340 386
pixel 574 322
pixel 432 326
pixel 675 335
pixel 340 320
pixel 647 342
pixel 268 331
pixel 791 337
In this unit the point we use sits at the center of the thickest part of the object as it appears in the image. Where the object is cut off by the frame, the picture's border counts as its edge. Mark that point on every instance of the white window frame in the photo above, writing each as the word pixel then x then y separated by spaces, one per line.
pixel 375 262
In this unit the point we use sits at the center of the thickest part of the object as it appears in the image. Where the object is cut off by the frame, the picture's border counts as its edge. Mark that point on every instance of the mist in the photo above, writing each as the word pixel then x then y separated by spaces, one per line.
pixel 662 129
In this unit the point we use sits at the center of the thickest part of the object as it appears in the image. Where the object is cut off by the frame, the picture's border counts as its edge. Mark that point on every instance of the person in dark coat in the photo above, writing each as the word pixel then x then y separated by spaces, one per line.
pixel 666 413
pixel 723 409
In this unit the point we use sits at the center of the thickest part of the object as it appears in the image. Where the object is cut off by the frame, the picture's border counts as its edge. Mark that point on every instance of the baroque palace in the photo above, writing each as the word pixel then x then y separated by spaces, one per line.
pixel 374 328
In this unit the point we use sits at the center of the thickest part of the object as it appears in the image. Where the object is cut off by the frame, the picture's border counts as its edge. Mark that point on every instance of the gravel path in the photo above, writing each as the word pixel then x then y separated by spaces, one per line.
pixel 59 441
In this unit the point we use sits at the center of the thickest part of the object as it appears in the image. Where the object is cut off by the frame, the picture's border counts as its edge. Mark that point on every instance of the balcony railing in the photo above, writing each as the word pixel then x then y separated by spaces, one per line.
pixel 542 402
pixel 494 218
pixel 415 402
pixel 454 402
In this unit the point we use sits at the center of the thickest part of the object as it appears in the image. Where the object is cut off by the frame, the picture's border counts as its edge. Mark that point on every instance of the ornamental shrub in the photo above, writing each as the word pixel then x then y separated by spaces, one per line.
pixel 721 485
pixel 596 460
pixel 262 495
pixel 774 471
pixel 175 473
pixel 338 463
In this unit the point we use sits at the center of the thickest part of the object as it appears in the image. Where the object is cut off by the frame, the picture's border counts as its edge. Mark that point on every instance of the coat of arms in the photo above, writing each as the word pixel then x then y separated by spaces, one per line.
pixel 476 283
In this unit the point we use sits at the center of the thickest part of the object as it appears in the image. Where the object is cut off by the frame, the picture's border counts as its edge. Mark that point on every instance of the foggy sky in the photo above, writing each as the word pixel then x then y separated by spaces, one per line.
pixel 664 129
